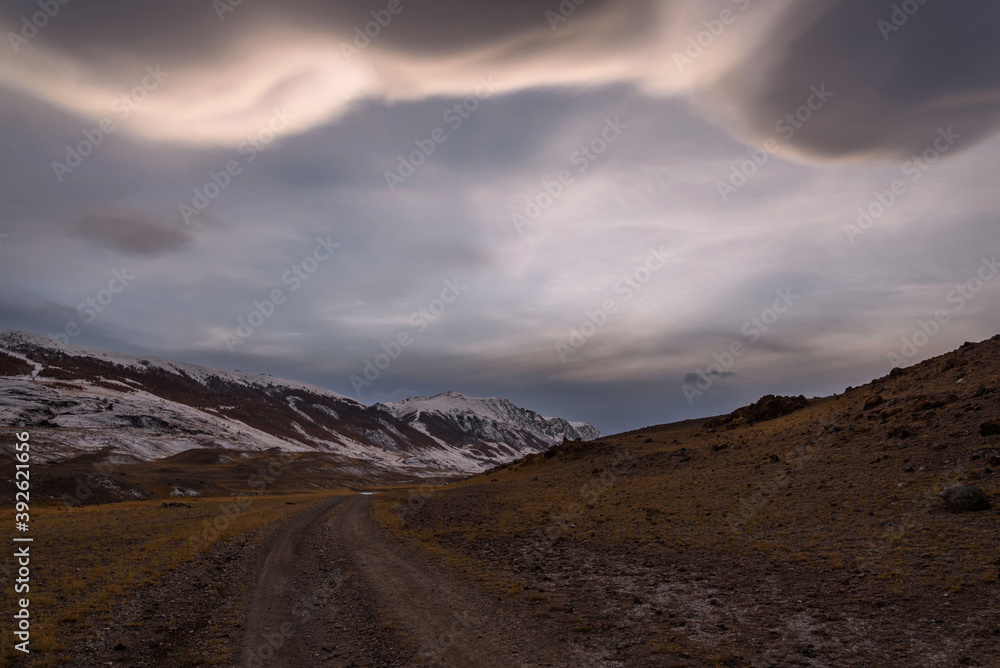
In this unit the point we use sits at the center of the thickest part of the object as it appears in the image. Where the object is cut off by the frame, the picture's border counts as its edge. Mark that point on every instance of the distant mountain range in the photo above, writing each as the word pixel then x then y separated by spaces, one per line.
pixel 492 425
pixel 77 400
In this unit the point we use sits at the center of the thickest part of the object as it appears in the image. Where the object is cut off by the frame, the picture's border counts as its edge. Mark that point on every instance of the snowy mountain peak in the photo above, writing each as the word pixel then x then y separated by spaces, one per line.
pixel 451 402
pixel 477 421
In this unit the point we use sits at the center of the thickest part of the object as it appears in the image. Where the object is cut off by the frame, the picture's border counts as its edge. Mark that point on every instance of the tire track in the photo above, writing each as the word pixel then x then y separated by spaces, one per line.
pixel 335 589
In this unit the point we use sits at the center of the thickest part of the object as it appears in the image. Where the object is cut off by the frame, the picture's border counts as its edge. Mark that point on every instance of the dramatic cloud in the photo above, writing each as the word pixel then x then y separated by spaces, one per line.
pixel 752 62
pixel 895 77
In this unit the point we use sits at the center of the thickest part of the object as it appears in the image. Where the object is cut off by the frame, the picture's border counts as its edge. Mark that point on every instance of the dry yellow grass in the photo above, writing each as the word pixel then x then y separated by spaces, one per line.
pixel 84 560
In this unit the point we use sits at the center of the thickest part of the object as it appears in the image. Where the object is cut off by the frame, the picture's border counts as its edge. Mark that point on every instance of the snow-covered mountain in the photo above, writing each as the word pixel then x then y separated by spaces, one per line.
pixel 492 425
pixel 76 399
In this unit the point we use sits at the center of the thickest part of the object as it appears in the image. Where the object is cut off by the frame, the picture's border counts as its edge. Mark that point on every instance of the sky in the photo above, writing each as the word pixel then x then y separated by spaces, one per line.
pixel 624 212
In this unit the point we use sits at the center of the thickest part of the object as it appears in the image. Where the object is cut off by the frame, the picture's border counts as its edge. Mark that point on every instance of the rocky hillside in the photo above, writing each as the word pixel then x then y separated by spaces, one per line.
pixel 859 529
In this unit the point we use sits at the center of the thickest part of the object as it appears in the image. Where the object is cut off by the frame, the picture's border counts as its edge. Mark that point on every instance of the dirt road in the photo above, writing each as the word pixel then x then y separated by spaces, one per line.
pixel 336 590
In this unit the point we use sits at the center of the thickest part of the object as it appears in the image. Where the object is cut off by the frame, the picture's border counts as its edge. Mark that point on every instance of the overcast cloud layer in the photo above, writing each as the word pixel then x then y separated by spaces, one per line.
pixel 579 210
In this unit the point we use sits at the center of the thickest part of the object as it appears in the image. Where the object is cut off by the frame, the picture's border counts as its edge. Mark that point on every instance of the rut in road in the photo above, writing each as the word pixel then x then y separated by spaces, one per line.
pixel 335 589
pixel 305 609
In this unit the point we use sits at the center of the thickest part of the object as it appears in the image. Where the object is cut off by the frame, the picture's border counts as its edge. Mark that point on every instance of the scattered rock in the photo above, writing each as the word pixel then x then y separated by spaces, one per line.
pixel 931 403
pixel 874 401
pixel 174 504
pixel 900 433
pixel 684 454
pixel 963 497
pixel 990 456
pixel 989 429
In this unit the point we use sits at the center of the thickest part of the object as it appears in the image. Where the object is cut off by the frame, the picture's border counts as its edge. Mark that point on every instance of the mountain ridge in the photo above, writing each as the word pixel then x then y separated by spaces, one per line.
pixel 485 420
pixel 82 400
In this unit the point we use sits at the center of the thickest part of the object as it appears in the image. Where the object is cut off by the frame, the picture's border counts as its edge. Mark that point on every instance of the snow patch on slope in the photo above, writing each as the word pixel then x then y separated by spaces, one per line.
pixel 90 404
pixel 489 423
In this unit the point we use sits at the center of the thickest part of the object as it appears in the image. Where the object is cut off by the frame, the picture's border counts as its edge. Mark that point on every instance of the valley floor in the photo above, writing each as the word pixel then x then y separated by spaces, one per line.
pixel 351 580
pixel 326 586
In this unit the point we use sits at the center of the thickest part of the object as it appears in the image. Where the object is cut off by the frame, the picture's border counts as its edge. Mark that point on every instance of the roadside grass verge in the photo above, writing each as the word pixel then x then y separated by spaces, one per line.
pixel 85 560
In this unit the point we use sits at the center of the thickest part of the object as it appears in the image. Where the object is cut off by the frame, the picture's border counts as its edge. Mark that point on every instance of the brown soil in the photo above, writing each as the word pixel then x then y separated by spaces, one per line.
pixel 336 590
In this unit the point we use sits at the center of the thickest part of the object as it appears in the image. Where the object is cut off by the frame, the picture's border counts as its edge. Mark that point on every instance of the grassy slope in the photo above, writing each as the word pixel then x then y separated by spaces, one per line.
pixel 86 560
pixel 828 502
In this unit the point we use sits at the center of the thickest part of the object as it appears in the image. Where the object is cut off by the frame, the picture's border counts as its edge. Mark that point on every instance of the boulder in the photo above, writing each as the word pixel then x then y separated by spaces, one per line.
pixel 766 408
pixel 900 432
pixel 989 455
pixel 964 497
pixel 989 429
pixel 874 401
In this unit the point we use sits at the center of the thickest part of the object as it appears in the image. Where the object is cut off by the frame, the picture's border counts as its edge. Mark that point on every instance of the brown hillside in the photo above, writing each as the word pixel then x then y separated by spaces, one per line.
pixel 817 538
